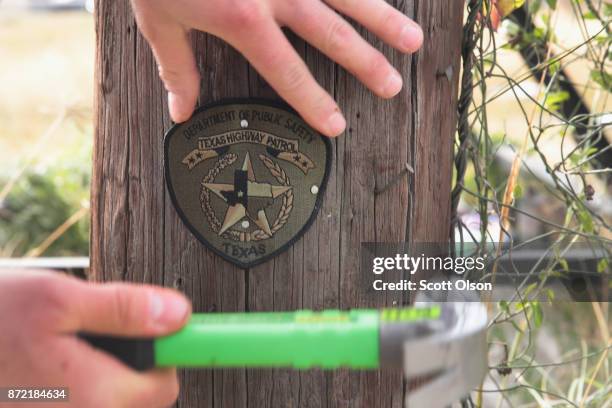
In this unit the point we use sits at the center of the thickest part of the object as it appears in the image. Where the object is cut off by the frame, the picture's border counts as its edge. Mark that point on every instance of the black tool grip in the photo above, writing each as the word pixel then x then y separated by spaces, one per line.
pixel 137 353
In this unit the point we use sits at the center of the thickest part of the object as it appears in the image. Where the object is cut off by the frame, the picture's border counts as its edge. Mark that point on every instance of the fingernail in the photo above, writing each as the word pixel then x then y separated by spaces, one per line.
pixel 393 85
pixel 411 37
pixel 167 310
pixel 336 124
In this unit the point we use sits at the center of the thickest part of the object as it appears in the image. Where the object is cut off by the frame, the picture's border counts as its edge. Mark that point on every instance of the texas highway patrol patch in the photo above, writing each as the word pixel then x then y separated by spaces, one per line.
pixel 247 177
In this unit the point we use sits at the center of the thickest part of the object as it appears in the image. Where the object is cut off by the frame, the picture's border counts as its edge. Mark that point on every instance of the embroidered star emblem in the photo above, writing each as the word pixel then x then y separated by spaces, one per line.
pixel 237 196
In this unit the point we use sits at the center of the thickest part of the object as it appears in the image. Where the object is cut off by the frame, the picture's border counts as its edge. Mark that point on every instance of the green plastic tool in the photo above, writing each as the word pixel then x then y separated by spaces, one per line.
pixel 424 340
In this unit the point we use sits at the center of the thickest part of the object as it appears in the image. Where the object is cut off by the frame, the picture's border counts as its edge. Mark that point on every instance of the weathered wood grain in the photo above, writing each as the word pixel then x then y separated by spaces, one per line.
pixel 137 236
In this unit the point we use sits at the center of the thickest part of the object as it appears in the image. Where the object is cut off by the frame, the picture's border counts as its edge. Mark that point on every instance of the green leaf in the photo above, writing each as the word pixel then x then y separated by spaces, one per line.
pixel 503 305
pixel 517 192
pixel 537 313
pixel 528 290
pixel 586 221
pixel 552 4
pixel 604 79
pixel 575 158
pixel 554 100
pixel 554 67
pixel 602 265
pixel 534 6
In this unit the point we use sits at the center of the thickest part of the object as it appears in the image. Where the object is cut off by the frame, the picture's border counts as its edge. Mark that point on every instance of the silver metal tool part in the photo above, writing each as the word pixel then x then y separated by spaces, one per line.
pixel 455 358
pixel 393 335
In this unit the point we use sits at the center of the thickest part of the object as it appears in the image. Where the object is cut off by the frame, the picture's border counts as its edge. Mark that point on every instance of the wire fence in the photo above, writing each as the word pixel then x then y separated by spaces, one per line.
pixel 576 183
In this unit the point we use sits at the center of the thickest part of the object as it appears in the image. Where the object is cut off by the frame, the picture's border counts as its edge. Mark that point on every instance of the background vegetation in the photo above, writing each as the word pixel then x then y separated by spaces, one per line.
pixel 533 170
pixel 46 88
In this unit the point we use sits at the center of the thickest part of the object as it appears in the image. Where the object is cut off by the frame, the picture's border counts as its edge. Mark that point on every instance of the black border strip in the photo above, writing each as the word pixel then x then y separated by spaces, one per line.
pixel 320 194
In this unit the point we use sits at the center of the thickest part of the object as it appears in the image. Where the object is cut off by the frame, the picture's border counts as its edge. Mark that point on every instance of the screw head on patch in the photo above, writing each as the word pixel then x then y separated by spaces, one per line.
pixel 244 123
pixel 314 189
pixel 245 224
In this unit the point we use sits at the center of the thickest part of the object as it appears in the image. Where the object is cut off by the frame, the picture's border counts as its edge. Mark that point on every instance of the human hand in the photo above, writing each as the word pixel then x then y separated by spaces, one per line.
pixel 40 312
pixel 253 27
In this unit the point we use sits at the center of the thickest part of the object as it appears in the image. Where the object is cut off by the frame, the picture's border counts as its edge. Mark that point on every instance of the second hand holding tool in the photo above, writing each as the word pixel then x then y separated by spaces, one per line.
pixel 444 342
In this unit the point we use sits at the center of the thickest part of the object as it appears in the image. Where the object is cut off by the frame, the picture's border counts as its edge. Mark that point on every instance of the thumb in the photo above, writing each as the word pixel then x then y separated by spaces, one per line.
pixel 124 309
pixel 176 63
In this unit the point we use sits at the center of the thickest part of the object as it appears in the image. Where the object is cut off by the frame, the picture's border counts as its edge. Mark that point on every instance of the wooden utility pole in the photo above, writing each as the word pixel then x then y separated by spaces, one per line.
pixel 137 235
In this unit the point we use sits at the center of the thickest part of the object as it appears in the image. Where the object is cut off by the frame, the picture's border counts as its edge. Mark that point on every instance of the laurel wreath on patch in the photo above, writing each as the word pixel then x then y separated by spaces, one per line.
pixel 257 235
pixel 213 221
